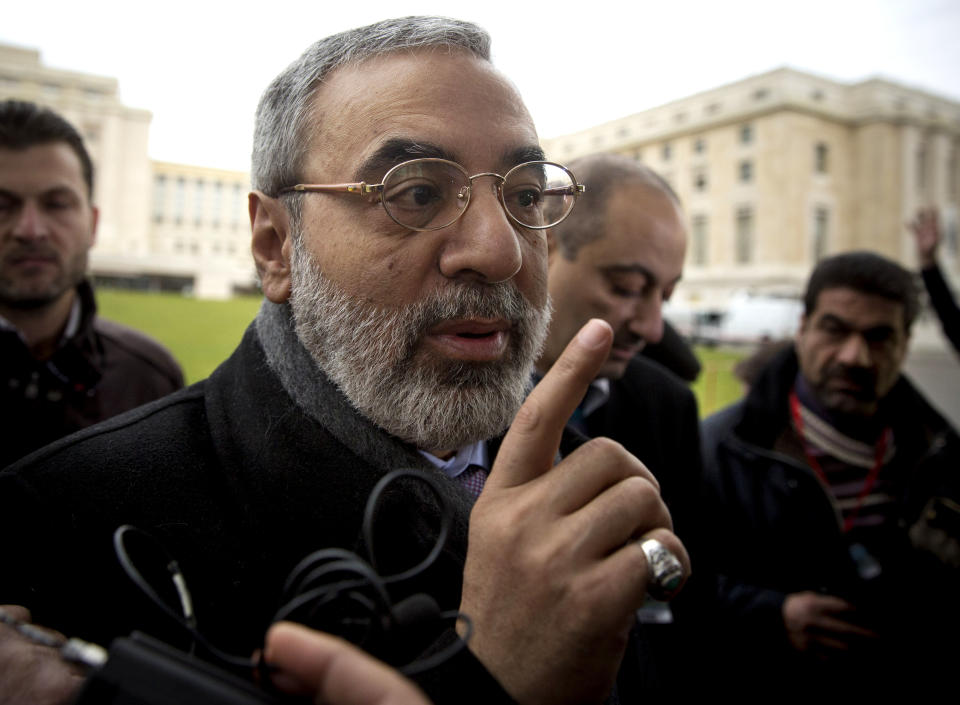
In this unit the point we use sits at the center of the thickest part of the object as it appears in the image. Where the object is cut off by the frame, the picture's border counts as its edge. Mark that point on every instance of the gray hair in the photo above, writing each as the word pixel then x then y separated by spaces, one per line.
pixel 280 138
pixel 602 173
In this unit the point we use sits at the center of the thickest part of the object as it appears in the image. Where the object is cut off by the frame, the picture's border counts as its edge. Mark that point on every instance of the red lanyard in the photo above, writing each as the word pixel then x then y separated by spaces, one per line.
pixel 868 483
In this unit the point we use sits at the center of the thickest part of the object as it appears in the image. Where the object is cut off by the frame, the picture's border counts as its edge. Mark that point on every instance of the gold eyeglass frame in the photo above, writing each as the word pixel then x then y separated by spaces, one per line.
pixel 362 188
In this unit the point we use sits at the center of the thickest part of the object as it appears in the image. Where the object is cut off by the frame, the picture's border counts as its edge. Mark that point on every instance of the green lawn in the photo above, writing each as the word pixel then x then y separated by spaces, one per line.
pixel 201 334
pixel 716 387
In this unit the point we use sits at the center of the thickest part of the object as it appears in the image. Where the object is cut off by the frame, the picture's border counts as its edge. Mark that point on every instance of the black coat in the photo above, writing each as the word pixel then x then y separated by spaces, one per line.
pixel 239 484
pixel 943 303
pixel 654 416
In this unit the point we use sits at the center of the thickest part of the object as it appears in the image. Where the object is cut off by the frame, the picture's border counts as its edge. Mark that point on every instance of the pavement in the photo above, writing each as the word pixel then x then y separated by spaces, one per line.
pixel 935 370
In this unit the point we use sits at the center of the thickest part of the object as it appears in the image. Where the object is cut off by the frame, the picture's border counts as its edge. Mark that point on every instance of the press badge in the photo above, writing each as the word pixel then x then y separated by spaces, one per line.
pixel 868 567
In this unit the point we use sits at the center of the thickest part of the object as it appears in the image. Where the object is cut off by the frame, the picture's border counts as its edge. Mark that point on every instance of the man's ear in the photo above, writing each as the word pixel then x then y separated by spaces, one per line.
pixel 802 328
pixel 271 245
pixel 94 221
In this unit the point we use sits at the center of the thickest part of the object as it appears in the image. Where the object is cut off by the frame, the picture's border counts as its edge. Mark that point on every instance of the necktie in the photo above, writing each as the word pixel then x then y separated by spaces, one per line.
pixel 473 479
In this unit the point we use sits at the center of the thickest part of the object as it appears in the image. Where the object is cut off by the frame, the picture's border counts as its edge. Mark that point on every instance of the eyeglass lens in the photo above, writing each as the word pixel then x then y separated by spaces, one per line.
pixel 433 194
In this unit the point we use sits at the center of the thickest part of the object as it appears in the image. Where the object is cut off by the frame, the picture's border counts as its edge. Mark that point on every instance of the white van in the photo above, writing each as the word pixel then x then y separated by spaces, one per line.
pixel 750 318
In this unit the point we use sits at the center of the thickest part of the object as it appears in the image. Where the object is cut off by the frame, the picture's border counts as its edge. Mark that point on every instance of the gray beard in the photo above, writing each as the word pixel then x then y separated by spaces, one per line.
pixel 371 354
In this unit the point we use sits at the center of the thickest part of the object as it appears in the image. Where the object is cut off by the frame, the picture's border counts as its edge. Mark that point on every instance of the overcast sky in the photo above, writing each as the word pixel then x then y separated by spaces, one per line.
pixel 200 67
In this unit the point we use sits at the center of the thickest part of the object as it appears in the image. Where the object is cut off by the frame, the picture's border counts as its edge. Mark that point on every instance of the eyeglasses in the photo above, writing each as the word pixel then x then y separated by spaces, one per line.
pixel 429 193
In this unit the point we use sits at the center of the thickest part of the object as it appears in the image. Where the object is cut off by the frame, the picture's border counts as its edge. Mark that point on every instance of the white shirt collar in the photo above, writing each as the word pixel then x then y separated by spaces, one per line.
pixel 474 454
pixel 597 394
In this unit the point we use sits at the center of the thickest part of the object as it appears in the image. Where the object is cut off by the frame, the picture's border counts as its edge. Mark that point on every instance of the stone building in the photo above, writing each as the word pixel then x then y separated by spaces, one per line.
pixel 781 168
pixel 162 226
pixel 774 171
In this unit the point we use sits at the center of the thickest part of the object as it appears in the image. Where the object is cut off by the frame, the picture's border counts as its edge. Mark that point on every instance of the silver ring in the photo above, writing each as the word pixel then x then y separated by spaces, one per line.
pixel 664 570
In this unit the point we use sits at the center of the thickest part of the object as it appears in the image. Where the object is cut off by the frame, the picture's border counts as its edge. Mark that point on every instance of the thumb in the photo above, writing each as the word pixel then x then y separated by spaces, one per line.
pixel 531 444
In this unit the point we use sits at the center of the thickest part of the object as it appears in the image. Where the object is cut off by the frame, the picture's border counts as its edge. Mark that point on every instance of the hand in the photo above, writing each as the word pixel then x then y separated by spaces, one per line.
pixel 815 625
pixel 554 573
pixel 926 233
pixel 30 673
pixel 332 671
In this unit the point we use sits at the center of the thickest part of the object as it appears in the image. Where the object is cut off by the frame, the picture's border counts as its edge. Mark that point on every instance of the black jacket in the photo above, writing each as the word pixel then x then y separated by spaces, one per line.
pixel 776 532
pixel 943 303
pixel 239 484
pixel 104 369
pixel 654 416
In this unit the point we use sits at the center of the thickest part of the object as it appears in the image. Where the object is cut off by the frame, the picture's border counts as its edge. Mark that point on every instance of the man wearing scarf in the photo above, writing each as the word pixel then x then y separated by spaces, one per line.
pixel 834 499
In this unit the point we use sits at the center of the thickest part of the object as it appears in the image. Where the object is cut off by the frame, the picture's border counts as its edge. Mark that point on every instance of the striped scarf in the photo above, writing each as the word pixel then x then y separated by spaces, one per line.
pixel 844 464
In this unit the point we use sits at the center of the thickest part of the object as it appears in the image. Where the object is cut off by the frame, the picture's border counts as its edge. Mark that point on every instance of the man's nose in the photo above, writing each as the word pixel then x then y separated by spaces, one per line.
pixel 483 244
pixel 854 351
pixel 30 223
pixel 647 320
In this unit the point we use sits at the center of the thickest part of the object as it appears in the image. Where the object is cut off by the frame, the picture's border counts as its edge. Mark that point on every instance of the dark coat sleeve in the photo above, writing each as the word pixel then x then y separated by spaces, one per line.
pixel 943 303
pixel 741 606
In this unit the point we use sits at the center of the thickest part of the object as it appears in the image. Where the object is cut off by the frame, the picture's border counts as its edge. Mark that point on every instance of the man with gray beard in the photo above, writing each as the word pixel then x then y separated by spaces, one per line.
pixel 398 216
pixel 369 353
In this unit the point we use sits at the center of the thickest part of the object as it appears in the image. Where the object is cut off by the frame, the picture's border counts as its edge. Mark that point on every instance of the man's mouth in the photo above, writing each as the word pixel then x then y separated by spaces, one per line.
pixel 31 259
pixel 855 386
pixel 472 340
pixel 623 352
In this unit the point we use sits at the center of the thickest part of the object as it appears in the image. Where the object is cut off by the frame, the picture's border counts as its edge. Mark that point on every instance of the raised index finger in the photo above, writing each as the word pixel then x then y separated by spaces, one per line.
pixel 531 444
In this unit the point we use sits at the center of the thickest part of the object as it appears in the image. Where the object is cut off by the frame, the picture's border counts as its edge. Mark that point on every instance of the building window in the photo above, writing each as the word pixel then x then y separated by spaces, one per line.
pixel 922 167
pixel 821 158
pixel 743 247
pixel 746 171
pixel 712 109
pixel 179 196
pixel 698 240
pixel 237 208
pixel 217 203
pixel 623 131
pixel 760 93
pixel 91 133
pixel 952 240
pixel 821 232
pixel 666 152
pixel 199 203
pixel 51 91
pixel 746 134
pixel 159 197
pixel 638 155
pixel 680 118
pixel 699 145
pixel 700 180
pixel 953 166
pixel 817 95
